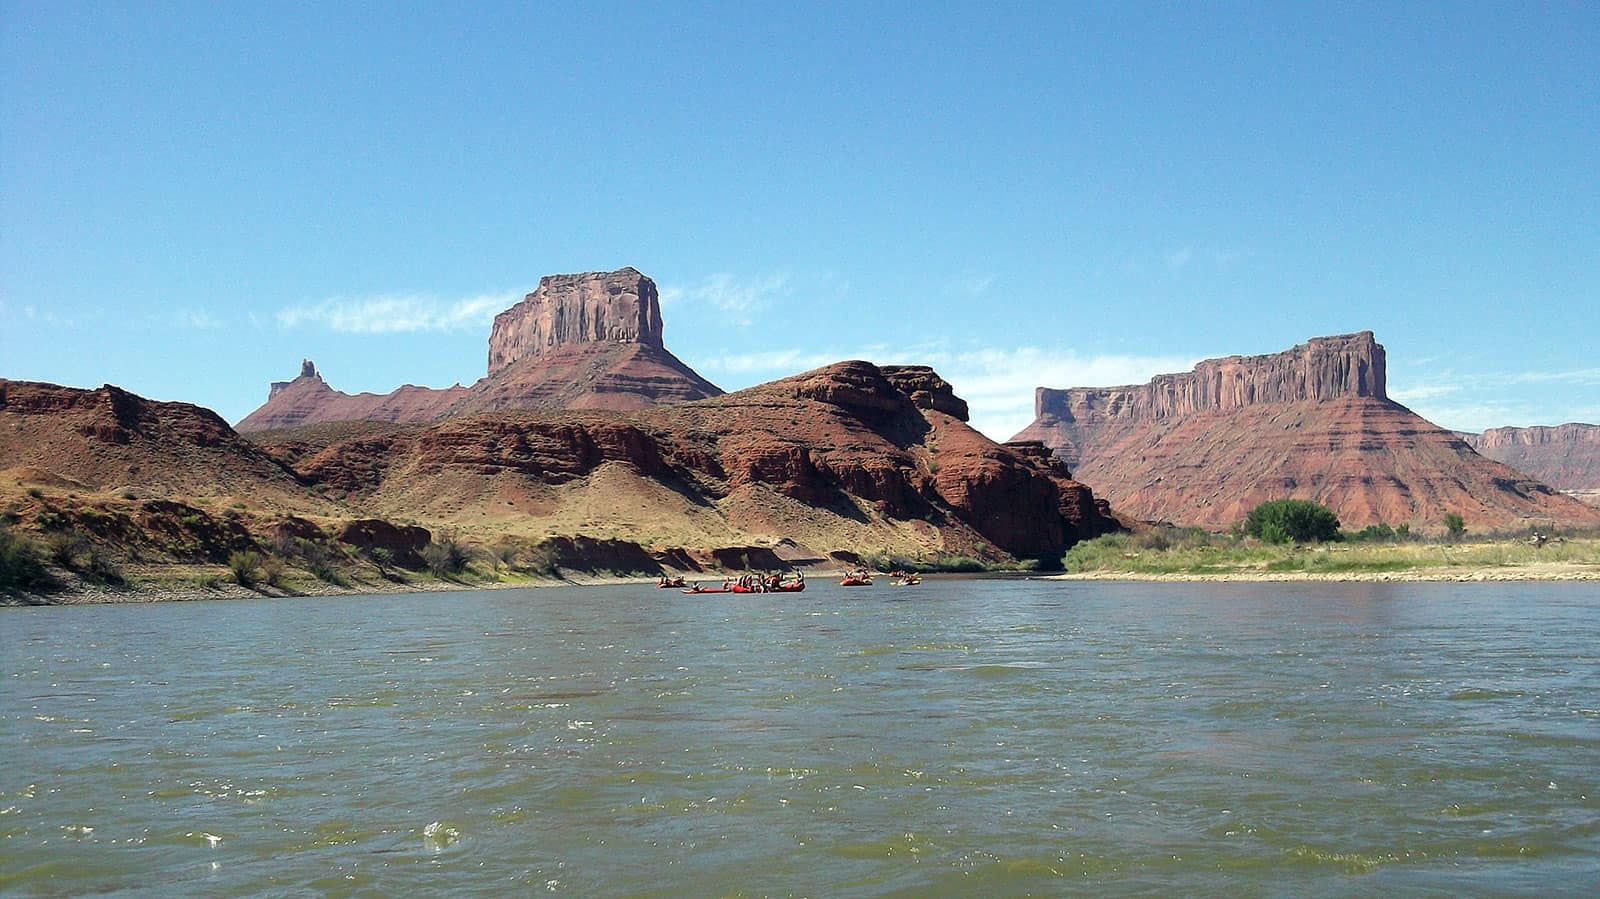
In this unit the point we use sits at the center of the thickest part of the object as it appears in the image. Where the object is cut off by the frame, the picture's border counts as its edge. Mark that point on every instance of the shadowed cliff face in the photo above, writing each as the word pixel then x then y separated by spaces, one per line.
pixel 1205 446
pixel 584 341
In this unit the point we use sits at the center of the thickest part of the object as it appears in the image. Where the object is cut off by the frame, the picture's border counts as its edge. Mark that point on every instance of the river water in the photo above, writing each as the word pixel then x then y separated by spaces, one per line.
pixel 964 738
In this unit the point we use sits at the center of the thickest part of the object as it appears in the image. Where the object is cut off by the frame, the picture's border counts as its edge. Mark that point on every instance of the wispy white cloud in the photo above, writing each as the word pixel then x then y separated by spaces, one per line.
pixel 1180 257
pixel 398 314
pixel 199 319
pixel 1422 392
pixel 35 314
pixel 1585 376
pixel 735 297
pixel 1477 400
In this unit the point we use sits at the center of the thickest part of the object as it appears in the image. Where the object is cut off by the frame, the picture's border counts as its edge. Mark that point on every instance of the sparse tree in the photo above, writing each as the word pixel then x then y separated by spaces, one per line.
pixel 1455 526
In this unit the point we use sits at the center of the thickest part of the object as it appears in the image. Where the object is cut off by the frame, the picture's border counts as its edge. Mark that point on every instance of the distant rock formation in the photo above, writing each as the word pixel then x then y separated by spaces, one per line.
pixel 1567 457
pixel 1315 422
pixel 1321 369
pixel 583 341
pixel 309 400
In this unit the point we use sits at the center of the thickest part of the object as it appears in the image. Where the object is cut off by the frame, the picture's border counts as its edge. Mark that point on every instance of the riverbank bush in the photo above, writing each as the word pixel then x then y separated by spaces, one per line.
pixel 243 566
pixel 1219 554
pixel 446 556
pixel 21 565
pixel 1282 520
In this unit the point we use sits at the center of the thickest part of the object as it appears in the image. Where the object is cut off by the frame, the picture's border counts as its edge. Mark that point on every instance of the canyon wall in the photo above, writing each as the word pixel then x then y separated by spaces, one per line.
pixel 1567 457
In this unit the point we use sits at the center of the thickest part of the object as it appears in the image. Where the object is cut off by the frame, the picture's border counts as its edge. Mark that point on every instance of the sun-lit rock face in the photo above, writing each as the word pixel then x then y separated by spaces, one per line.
pixel 1205 446
pixel 591 307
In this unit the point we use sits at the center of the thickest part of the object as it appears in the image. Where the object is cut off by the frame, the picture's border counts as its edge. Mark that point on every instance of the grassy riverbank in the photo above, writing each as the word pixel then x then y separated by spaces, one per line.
pixel 1188 555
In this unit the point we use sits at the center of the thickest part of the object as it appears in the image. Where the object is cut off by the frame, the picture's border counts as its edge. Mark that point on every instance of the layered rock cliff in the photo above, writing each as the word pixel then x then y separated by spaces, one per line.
pixel 1567 457
pixel 1321 369
pixel 847 458
pixel 1205 446
pixel 591 308
pixel 581 341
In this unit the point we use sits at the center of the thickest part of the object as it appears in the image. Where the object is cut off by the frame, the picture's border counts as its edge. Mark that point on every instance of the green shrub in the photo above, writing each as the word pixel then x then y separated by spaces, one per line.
pixel 243 565
pixel 1273 532
pixel 1299 520
pixel 1455 526
pixel 1374 532
pixel 445 556
pixel 64 547
pixel 104 569
pixel 272 569
pixel 316 556
pixel 20 565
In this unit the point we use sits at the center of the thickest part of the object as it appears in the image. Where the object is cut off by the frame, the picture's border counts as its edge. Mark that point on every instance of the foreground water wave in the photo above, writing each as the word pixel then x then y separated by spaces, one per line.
pixel 966 737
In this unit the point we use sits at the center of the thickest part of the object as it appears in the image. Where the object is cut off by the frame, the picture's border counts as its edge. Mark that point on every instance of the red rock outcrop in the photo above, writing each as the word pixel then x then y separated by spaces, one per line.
pixel 112 440
pixel 1567 457
pixel 583 341
pixel 403 543
pixel 1206 446
pixel 845 458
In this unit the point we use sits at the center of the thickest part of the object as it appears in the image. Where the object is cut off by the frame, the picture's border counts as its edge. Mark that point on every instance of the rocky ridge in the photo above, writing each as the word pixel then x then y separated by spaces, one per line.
pixel 831 464
pixel 1314 422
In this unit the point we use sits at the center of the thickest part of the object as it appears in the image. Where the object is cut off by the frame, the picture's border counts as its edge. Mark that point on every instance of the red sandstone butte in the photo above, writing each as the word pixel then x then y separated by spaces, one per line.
pixel 1204 447
pixel 583 341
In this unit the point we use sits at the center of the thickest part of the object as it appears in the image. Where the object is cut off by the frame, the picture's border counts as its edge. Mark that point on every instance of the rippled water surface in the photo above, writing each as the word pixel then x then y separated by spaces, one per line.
pixel 966 737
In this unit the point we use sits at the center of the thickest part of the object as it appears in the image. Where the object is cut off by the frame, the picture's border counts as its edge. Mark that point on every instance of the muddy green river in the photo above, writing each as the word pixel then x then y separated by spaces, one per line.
pixel 967 737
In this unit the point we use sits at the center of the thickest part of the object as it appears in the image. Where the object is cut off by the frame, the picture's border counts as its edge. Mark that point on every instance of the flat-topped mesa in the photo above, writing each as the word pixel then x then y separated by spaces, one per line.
pixel 1321 369
pixel 592 307
pixel 1315 422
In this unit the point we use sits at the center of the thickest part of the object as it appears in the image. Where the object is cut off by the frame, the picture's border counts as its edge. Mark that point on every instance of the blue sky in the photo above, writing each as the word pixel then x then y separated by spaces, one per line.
pixel 193 197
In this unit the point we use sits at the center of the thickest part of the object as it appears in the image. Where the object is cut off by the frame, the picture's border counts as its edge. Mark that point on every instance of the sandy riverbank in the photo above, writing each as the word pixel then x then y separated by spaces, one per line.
pixel 181 584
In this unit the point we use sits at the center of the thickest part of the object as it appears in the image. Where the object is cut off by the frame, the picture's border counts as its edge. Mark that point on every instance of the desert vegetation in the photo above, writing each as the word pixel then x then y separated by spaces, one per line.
pixel 1194 552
